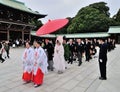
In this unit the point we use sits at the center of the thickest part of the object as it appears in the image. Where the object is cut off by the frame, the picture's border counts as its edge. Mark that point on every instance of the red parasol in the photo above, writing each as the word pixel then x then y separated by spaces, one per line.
pixel 51 26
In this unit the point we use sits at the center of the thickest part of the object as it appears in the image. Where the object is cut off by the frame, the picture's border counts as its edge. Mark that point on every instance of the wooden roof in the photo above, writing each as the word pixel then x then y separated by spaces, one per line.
pixel 19 6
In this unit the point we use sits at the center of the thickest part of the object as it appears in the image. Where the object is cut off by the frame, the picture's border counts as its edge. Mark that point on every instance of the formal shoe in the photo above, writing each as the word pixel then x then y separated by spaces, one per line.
pixel 2 61
pixel 104 78
pixel 80 64
pixel 101 78
pixel 60 72
pixel 52 69
pixel 26 82
pixel 36 85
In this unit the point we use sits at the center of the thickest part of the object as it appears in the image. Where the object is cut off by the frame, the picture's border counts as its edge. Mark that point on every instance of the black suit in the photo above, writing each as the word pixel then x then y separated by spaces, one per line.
pixel 49 48
pixel 80 50
pixel 87 51
pixel 103 60
pixel 0 45
pixel 72 50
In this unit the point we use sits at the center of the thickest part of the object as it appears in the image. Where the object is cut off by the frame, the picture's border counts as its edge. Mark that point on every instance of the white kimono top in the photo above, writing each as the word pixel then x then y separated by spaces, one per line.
pixel 27 58
pixel 40 60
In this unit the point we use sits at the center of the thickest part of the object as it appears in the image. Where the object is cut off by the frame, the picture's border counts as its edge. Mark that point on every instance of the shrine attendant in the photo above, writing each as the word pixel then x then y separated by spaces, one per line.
pixel 40 64
pixel 27 59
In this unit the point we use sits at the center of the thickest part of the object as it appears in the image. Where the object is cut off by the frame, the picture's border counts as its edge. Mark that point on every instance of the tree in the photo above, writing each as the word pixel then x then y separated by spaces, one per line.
pixel 37 24
pixel 101 6
pixel 92 18
pixel 116 19
pixel 118 16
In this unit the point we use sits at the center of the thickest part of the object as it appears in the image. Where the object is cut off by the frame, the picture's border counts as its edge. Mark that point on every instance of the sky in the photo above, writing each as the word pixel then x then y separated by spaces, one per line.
pixel 56 9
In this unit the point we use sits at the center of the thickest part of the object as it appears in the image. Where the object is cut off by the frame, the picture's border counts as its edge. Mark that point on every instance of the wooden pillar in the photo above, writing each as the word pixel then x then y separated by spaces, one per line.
pixel 8 34
pixel 30 35
pixel 22 35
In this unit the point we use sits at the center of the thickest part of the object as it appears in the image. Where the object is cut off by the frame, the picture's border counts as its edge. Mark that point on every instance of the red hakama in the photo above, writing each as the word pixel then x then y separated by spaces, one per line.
pixel 27 59
pixel 27 76
pixel 38 78
pixel 39 66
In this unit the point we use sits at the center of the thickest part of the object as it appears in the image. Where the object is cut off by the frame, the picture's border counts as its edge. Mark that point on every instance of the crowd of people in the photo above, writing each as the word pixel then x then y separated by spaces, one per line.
pixel 51 55
pixel 45 55
pixel 5 47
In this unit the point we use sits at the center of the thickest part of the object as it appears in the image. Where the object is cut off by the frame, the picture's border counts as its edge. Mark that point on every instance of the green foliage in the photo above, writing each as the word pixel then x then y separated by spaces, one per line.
pixel 118 16
pixel 116 19
pixel 113 22
pixel 92 18
pixel 37 24
pixel 101 6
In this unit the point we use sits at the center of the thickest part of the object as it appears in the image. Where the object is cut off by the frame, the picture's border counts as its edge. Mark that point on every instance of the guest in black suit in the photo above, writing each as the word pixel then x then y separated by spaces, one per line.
pixel 49 48
pixel 87 49
pixel 71 49
pixel 103 59
pixel 80 50
pixel 109 44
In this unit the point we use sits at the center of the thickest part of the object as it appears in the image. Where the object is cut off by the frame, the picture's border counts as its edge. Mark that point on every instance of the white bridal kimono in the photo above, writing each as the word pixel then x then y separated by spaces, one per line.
pixel 27 58
pixel 97 52
pixel 58 59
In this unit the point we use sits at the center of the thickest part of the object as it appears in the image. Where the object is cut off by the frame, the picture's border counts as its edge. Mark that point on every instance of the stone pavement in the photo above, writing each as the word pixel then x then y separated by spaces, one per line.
pixel 75 79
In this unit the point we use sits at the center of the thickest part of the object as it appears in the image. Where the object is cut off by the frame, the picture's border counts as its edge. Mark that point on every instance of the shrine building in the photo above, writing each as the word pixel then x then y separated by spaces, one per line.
pixel 16 20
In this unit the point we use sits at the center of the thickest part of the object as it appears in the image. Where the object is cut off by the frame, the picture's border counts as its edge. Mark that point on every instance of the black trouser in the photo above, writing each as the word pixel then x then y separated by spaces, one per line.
pixel 50 61
pixel 79 55
pixel 1 58
pixel 87 54
pixel 102 66
pixel 50 65
pixel 71 58
pixel 7 51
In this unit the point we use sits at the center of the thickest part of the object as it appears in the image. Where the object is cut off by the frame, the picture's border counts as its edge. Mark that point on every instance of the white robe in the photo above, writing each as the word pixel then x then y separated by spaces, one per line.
pixel 3 52
pixel 40 60
pixel 27 59
pixel 97 51
pixel 58 59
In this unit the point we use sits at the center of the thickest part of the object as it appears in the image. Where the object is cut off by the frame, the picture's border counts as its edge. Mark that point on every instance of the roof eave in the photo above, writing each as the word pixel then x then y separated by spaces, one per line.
pixel 37 14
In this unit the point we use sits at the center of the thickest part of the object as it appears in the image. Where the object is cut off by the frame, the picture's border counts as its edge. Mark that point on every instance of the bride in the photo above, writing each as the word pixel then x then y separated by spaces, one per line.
pixel 58 59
